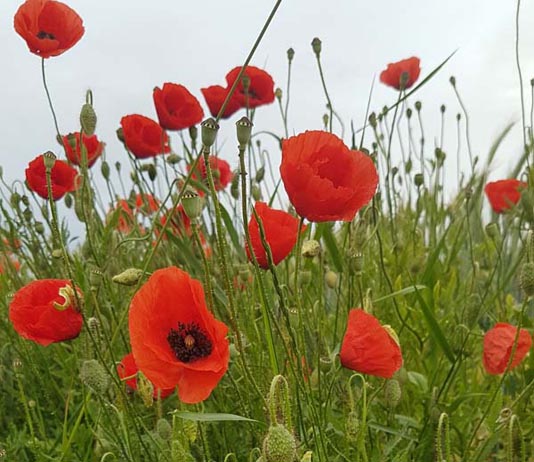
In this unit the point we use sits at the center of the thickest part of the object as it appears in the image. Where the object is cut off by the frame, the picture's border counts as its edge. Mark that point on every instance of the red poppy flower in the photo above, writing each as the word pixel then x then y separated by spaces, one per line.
pixel 93 148
pixel 222 174
pixel 144 137
pixel 324 179
pixel 124 216
pixel 146 203
pixel 281 232
pixel 45 311
pixel 215 96
pixel 393 74
pixel 369 347
pixel 127 370
pixel 49 28
pixel 498 343
pixel 176 107
pixel 503 194
pixel 175 340
pixel 8 261
pixel 62 178
pixel 261 88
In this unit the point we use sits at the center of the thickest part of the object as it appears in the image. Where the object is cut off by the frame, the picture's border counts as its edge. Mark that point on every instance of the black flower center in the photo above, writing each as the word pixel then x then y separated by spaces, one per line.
pixel 189 342
pixel 45 35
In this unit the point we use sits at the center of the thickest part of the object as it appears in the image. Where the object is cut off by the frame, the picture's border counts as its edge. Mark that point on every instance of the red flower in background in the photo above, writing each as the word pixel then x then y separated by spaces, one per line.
pixel 503 194
pixel 93 147
pixel 393 74
pixel 123 215
pixel 62 178
pixel 176 107
pixel 146 203
pixel 324 179
pixel 281 232
pixel 45 311
pixel 222 174
pixel 127 370
pixel 49 28
pixel 144 137
pixel 369 347
pixel 175 340
pixel 215 96
pixel 498 343
pixel 261 88
pixel 180 224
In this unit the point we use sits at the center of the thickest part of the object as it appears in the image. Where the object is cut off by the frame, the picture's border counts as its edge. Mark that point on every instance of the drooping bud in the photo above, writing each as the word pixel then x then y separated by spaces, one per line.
pixel 317 46
pixel 193 133
pixel 279 445
pixel 88 119
pixel 120 134
pixel 49 159
pixel 93 375
pixel 243 130
pixel 311 249
pixel 331 279
pixel 15 200
pixel 192 204
pixel 527 278
pixel 129 277
pixel 209 129
pixel 392 393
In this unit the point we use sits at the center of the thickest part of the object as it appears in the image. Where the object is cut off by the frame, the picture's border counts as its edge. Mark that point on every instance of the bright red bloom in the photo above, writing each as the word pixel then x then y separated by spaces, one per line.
pixel 393 74
pixel 222 174
pixel 215 96
pixel 144 137
pixel 324 179
pixel 281 232
pixel 45 311
pixel 498 343
pixel 146 203
pixel 93 148
pixel 260 91
pixel 127 370
pixel 368 347
pixel 176 107
pixel 504 194
pixel 49 28
pixel 175 340
pixel 63 178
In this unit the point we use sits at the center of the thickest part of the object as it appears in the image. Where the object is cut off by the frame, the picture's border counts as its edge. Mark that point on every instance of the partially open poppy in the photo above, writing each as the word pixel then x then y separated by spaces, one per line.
pixel 281 232
pixel 144 137
pixel 324 179
pixel 260 90
pixel 62 178
pixel 93 148
pixel 45 311
pixel 498 343
pixel 175 340
pixel 215 97
pixel 504 194
pixel 402 74
pixel 177 108
pixel 49 28
pixel 127 370
pixel 222 174
pixel 369 347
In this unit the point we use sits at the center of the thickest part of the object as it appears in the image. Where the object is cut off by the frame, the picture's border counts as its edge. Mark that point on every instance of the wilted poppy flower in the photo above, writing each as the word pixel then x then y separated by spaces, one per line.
pixel 175 340
pixel 144 137
pixel 62 178
pixel 324 179
pixel 49 28
pixel 215 97
pixel 281 232
pixel 261 88
pixel 503 194
pixel 93 148
pixel 498 343
pixel 176 107
pixel 369 347
pixel 45 311
pixel 127 370
pixel 222 174
pixel 393 75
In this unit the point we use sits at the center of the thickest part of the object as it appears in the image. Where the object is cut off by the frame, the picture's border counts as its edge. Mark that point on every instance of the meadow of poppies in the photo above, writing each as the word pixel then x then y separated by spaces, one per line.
pixel 335 305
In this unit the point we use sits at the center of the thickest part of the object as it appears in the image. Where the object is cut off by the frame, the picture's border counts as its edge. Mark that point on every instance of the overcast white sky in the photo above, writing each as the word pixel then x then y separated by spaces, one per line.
pixel 130 46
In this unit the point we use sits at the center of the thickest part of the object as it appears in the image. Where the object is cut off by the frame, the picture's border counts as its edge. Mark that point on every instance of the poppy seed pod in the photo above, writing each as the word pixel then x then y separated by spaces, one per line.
pixel 290 54
pixel 243 130
pixel 49 159
pixel 208 130
pixel 192 204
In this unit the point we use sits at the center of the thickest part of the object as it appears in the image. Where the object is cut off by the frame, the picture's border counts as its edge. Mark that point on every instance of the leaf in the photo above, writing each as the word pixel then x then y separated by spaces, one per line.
pixel 405 291
pixel 419 380
pixel 212 417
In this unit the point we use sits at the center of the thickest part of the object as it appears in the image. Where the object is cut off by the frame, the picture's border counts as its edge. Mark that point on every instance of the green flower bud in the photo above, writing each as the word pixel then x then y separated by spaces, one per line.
pixel 164 429
pixel 93 375
pixel 193 133
pixel 129 277
pixel 419 179
pixel 173 159
pixel 279 445
pixel 243 130
pixel 260 174
pixel 68 201
pixel 15 200
pixel 88 119
pixel 352 426
pixel 317 46
pixel 25 200
pixel 372 120
pixel 452 80
pixel 255 191
pixel 304 277
pixel 418 105
pixel 331 279
pixel 234 187
pixel 392 393
pixel 409 113
pixel 209 129
pixel 526 279
pixel 104 169
pixel 290 54
pixel 120 134
pixel 152 172
pixel 39 227
pixel 145 389
pixel 278 94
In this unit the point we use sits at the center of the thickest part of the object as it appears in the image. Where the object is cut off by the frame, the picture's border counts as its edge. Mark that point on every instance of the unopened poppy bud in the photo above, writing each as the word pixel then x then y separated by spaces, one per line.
pixel 88 119
pixel 493 231
pixel 104 169
pixel 452 80
pixel 15 200
pixel 372 120
pixel 243 130
pixel 145 389
pixel 472 310
pixel 49 159
pixel 331 279
pixel 532 82
pixel 57 254
pixel 290 54
pixel 317 46
pixel 173 159
pixel 279 445
pixel 278 94
pixel 392 393
pixel 440 155
pixel 255 191
pixel 129 277
pixel 134 177
pixel 209 130
pixel 193 133
pixel 120 134
pixel 164 429
pixel 527 279
pixel 39 227
pixel 418 179
pixel 27 214
pixel 352 426
pixel 304 277
pixel 458 117
pixel 459 335
pixel 152 172
pixel 408 166
pixel 68 201
pixel 325 119
pixel 311 248
pixel 418 105
pixel 25 200
pixel 192 204
pixel 234 187
pixel 409 113
pixel 94 376
pixel 260 174
pixel 442 108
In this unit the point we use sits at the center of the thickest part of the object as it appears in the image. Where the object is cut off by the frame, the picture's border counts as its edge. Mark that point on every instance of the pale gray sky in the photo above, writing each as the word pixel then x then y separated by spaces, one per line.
pixel 130 46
